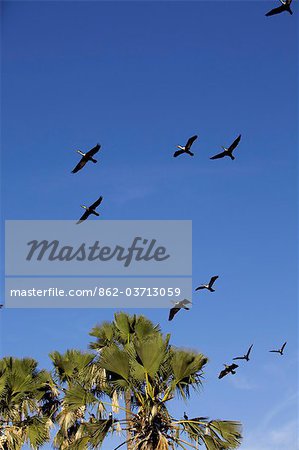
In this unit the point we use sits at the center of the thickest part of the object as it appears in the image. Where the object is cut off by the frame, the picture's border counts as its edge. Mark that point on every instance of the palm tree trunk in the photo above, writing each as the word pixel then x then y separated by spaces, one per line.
pixel 128 419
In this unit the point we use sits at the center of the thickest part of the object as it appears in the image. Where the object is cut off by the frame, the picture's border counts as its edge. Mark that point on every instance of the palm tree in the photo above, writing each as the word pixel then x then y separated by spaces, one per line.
pixel 78 381
pixel 136 361
pixel 28 403
pixel 121 333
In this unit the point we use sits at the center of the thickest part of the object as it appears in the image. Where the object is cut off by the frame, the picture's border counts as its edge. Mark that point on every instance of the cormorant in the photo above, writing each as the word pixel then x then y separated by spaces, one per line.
pixel 280 351
pixel 90 210
pixel 187 147
pixel 228 151
pixel 86 157
pixel 208 286
pixel 177 306
pixel 228 369
pixel 285 6
pixel 246 356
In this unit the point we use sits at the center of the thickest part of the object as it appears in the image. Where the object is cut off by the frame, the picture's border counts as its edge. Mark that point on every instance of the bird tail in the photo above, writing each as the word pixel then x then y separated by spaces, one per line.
pixel 232 157
pixel 94 160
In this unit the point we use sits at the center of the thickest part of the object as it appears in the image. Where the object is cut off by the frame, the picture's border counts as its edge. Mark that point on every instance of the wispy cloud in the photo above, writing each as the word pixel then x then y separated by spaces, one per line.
pixel 243 383
pixel 273 432
pixel 281 437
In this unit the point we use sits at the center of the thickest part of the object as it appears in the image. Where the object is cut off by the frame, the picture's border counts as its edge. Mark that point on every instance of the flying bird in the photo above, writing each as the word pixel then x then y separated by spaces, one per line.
pixel 280 351
pixel 187 147
pixel 177 307
pixel 90 210
pixel 228 369
pixel 246 356
pixel 208 286
pixel 228 151
pixel 285 6
pixel 86 157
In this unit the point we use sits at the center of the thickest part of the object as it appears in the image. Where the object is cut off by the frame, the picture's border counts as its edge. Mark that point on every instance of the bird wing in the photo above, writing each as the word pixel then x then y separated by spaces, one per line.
pixel 178 153
pixel 96 203
pixel 233 366
pixel 234 144
pixel 288 2
pixel 172 313
pixel 249 350
pixel 273 351
pixel 274 11
pixel 83 217
pixel 200 287
pixel 94 150
pixel 282 348
pixel 223 373
pixel 219 155
pixel 238 357
pixel 212 280
pixel 190 142
pixel 80 164
pixel 185 302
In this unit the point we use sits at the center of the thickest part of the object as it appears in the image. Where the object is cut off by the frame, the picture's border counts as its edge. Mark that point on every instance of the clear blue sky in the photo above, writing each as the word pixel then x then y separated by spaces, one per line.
pixel 140 78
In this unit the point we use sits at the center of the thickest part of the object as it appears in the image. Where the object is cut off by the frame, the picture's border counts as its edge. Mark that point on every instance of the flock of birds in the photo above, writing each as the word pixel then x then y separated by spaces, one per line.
pixel 227 151
pixel 228 368
pixel 89 156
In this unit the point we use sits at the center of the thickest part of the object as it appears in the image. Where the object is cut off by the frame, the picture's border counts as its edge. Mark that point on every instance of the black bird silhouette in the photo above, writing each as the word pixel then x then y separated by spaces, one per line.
pixel 285 6
pixel 228 151
pixel 187 147
pixel 280 351
pixel 246 356
pixel 195 419
pixel 90 210
pixel 208 286
pixel 228 369
pixel 177 307
pixel 86 157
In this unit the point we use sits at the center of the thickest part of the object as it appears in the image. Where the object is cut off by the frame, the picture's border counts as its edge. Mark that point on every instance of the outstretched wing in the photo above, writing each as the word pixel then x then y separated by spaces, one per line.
pixel 83 217
pixel 96 203
pixel 234 144
pixel 233 366
pixel 185 302
pixel 282 348
pixel 172 313
pixel 249 350
pixel 238 357
pixel 212 280
pixel 190 142
pixel 80 164
pixel 273 351
pixel 274 11
pixel 223 373
pixel 219 155
pixel 178 153
pixel 94 150
pixel 200 287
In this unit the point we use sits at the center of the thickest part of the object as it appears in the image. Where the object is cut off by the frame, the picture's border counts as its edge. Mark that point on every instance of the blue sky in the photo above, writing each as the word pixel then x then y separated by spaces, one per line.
pixel 140 78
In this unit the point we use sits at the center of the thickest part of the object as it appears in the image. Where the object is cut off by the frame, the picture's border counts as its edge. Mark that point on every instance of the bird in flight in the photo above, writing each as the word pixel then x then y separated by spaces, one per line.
pixel 228 151
pixel 228 369
pixel 90 210
pixel 208 286
pixel 187 147
pixel 177 307
pixel 86 157
pixel 246 356
pixel 285 6
pixel 280 351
